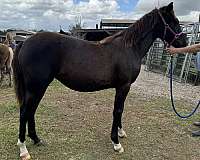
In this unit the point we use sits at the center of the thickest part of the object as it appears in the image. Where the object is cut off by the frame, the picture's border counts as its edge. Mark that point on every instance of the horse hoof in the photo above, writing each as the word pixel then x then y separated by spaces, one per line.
pixel 122 133
pixel 25 157
pixel 118 148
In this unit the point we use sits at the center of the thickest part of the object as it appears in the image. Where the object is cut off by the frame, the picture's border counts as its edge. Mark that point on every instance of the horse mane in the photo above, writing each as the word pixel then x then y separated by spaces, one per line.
pixel 135 31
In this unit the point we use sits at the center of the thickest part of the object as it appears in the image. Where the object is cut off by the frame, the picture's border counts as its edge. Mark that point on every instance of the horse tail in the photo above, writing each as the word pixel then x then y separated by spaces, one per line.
pixel 18 75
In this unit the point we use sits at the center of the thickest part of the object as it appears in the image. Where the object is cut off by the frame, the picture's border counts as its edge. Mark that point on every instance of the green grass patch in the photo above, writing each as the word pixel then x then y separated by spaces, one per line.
pixel 76 126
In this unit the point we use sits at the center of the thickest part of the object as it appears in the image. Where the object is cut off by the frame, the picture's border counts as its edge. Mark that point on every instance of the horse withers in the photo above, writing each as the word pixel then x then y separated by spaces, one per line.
pixel 84 66
pixel 6 57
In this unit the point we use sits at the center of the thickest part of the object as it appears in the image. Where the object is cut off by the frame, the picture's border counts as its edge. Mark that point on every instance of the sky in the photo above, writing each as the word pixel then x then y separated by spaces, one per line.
pixel 51 14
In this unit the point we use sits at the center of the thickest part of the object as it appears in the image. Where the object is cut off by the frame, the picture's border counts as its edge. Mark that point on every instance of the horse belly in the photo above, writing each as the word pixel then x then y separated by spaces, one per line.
pixel 85 82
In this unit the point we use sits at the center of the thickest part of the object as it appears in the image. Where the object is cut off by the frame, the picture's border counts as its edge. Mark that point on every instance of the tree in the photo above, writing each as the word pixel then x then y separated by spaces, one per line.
pixel 78 25
pixel 3 32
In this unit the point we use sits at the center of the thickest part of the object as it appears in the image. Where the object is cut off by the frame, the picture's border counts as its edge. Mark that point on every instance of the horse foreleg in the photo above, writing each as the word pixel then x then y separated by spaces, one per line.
pixel 121 133
pixel 120 97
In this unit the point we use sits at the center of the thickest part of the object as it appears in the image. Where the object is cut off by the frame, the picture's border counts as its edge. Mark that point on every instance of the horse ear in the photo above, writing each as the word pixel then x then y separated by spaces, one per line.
pixel 170 7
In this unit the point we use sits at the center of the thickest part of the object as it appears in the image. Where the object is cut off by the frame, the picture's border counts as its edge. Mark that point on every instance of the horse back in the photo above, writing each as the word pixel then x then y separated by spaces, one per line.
pixel 79 64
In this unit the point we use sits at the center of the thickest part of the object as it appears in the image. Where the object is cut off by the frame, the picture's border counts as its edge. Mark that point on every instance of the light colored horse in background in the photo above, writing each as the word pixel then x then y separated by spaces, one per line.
pixel 6 57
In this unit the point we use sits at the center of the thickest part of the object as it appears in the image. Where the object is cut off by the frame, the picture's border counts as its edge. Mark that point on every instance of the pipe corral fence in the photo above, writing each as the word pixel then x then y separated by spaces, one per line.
pixel 18 35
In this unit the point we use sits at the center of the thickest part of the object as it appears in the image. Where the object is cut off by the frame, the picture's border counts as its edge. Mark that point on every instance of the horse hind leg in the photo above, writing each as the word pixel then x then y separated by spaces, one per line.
pixel 2 68
pixel 10 79
pixel 2 76
pixel 27 112
pixel 9 71
pixel 31 119
pixel 9 65
pixel 24 155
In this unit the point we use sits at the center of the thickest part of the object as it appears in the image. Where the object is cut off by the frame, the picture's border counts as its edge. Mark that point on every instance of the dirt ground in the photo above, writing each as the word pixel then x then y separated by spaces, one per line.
pixel 76 126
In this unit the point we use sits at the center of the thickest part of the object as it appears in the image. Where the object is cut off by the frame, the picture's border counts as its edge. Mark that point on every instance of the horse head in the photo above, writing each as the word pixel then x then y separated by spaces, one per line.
pixel 168 28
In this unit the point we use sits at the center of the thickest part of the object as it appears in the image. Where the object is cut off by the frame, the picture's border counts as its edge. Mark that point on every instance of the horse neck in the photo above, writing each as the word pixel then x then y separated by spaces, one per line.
pixel 145 35
pixel 145 43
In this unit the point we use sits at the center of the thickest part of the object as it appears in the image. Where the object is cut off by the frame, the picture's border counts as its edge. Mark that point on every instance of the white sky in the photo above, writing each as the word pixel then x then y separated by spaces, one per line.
pixel 49 14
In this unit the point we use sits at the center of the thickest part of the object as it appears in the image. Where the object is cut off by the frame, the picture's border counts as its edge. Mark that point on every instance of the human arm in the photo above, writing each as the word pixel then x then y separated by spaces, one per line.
pixel 189 49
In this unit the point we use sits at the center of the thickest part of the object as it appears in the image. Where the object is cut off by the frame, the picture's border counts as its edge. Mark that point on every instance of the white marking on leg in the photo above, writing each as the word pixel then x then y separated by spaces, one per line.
pixel 23 150
pixel 118 147
pixel 121 133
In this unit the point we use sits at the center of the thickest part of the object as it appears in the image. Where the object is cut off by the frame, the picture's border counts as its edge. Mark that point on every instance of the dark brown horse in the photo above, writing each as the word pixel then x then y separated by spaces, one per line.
pixel 84 66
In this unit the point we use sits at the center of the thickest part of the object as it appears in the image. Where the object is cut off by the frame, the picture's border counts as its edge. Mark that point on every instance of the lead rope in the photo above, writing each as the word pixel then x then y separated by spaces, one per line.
pixel 176 36
pixel 172 98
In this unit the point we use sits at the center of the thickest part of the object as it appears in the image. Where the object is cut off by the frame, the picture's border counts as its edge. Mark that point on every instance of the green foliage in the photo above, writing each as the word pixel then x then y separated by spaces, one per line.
pixel 3 32
pixel 76 126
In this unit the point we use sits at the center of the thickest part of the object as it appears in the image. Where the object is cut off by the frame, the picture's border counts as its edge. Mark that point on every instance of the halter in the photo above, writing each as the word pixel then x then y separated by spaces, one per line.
pixel 167 27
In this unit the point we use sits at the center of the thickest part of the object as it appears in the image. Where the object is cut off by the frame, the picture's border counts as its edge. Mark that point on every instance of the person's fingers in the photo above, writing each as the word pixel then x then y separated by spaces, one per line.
pixel 168 50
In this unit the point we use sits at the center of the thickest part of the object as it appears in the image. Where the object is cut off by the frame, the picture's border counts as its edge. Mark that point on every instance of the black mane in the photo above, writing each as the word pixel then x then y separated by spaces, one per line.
pixel 136 31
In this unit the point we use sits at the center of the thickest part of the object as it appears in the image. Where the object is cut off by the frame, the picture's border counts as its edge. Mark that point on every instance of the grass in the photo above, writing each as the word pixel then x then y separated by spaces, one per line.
pixel 76 126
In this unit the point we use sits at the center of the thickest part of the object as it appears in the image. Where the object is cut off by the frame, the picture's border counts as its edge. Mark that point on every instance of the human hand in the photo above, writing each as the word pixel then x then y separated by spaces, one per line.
pixel 171 50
